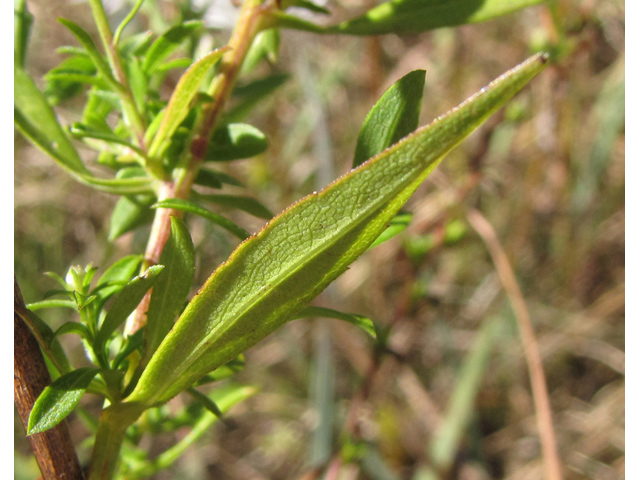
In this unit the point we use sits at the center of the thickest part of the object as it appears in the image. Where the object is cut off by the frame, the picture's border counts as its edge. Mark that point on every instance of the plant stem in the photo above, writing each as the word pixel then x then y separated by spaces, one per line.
pixel 253 17
pixel 53 449
pixel 113 425
pixel 128 102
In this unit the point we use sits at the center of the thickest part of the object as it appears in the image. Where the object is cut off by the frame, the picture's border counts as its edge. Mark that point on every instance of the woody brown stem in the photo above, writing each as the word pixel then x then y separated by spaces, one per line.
pixel 53 449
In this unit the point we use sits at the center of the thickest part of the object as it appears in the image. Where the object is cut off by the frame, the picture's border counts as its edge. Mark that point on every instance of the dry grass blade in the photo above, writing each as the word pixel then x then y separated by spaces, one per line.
pixel 532 355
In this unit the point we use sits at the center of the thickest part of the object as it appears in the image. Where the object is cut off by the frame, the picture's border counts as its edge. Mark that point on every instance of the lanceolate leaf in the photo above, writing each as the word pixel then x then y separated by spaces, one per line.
pixel 127 301
pixel 246 204
pixel 361 321
pixel 394 116
pixel 235 141
pixel 37 121
pixel 191 207
pixel 87 42
pixel 167 43
pixel 179 106
pixel 59 399
pixel 276 273
pixel 415 16
pixel 172 285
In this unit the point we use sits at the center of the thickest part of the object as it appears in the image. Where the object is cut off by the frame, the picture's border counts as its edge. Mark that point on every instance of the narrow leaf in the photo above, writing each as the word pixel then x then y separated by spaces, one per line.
pixel 394 116
pixel 130 213
pixel 49 344
pixel 415 16
pixel 250 94
pixel 87 42
pixel 52 304
pixel 276 273
pixel 179 103
pixel 59 399
pixel 205 401
pixel 36 120
pixel 117 275
pixel 397 225
pixel 246 204
pixel 22 28
pixel 191 207
pixel 361 321
pixel 128 299
pixel 167 43
pixel 236 141
pixel 172 285
pixel 73 327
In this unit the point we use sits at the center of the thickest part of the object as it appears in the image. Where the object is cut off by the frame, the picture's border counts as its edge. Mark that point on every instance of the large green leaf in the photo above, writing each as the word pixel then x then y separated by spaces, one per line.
pixel 276 273
pixel 179 103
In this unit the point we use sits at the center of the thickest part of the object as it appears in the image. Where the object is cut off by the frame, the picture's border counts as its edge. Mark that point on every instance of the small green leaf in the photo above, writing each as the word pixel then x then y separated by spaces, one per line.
pixel 208 178
pixel 52 304
pixel 227 370
pixel 276 273
pixel 69 77
pixel 307 5
pixel 80 130
pixel 73 327
pixel 128 299
pixel 59 399
pixel 397 225
pixel 167 43
pixel 205 401
pixel 265 45
pixel 130 213
pixel 127 19
pixel 361 321
pixel 136 44
pixel 236 141
pixel 22 28
pixel 37 121
pixel 49 344
pixel 180 101
pixel 186 206
pixel 415 16
pixel 117 275
pixel 286 20
pixel 87 42
pixel 252 93
pixel 246 204
pixel 171 287
pixel 394 116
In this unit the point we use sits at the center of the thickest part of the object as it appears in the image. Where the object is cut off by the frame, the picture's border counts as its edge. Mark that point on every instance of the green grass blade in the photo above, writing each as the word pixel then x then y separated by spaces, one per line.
pixel 415 16
pixel 276 273
pixel 179 103
pixel 446 441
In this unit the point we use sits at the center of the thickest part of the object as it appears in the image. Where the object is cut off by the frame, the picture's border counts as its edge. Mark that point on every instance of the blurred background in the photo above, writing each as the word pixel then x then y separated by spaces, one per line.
pixel 547 172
